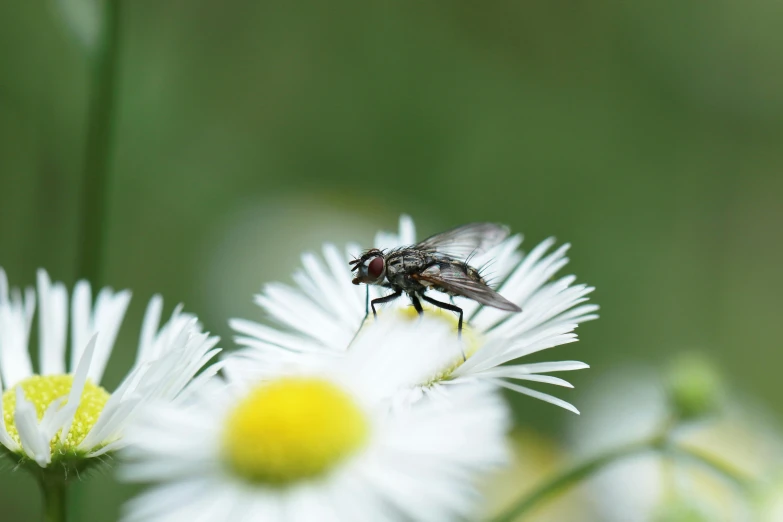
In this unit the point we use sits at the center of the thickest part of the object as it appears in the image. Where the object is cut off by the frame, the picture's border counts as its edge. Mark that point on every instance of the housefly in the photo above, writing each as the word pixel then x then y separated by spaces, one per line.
pixel 440 263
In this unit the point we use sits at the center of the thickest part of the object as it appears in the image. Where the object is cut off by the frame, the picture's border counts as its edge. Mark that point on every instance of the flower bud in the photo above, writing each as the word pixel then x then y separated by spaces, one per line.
pixel 693 386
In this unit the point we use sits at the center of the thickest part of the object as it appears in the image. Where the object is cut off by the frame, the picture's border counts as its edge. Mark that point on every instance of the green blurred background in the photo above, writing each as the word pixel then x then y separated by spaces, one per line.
pixel 646 134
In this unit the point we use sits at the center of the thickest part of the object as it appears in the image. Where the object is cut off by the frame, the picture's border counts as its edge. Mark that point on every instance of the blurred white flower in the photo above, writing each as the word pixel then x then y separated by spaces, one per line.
pixel 653 487
pixel 60 414
pixel 771 501
pixel 536 458
pixel 324 311
pixel 322 443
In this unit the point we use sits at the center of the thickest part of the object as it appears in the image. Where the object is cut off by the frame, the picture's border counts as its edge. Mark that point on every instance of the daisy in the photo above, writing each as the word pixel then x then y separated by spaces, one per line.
pixel 59 414
pixel 321 443
pixel 323 311
pixel 660 486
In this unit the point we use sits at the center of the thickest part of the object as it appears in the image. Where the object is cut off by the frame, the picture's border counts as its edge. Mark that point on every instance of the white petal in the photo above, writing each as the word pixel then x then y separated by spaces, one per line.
pixel 295 310
pixel 34 442
pixel 536 394
pixel 178 502
pixel 162 340
pixel 256 332
pixel 524 281
pixel 407 230
pixel 198 382
pixel 107 318
pixel 323 287
pixel 109 426
pixel 393 354
pixel 558 366
pixel 15 322
pixel 3 287
pixel 53 418
pixel 149 328
pixel 5 438
pixel 520 372
pixel 119 405
pixel 546 305
pixel 52 324
pixel 353 294
pixel 495 266
pixel 79 380
pixel 81 329
pixel 487 358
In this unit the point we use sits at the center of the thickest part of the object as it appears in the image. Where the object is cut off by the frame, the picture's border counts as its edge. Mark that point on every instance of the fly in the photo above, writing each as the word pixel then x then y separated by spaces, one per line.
pixel 440 263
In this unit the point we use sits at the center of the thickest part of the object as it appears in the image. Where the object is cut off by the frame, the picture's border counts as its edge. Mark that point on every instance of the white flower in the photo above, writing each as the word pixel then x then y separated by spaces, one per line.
pixel 656 486
pixel 321 443
pixel 322 313
pixel 60 413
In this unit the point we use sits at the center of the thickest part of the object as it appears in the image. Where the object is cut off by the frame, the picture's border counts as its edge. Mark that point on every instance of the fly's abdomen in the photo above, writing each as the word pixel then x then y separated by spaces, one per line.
pixel 433 273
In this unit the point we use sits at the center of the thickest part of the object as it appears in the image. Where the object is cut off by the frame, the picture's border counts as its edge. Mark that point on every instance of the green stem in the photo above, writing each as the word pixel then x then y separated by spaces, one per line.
pixel 660 443
pixel 572 476
pixel 100 129
pixel 720 468
pixel 54 498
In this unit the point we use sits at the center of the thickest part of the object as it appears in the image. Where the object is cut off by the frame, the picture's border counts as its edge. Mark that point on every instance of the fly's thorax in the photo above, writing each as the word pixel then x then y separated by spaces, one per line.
pixel 402 264
pixel 406 261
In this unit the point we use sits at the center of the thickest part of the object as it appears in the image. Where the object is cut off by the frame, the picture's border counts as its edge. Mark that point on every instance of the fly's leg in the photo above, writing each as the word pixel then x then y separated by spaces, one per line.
pixel 446 306
pixel 372 304
pixel 366 310
pixel 451 307
pixel 417 305
pixel 384 299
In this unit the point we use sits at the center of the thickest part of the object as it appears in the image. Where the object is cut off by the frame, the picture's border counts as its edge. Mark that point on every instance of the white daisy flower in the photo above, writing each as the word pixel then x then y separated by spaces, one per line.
pixel 659 486
pixel 322 313
pixel 60 414
pixel 322 443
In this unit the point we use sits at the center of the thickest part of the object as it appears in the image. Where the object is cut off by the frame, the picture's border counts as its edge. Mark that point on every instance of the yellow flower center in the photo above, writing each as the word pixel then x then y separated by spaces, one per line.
pixel 41 390
pixel 292 429
pixel 472 339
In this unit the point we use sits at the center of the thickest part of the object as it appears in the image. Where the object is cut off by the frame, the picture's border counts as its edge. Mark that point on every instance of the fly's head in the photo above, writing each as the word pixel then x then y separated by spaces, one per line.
pixel 370 268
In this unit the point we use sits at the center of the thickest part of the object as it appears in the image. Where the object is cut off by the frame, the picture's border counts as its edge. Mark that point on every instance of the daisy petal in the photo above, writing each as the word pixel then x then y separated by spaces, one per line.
pixel 149 327
pixel 109 312
pixel 52 324
pixel 558 366
pixel 15 322
pixel 34 442
pixel 520 372
pixel 79 380
pixel 538 395
pixel 5 438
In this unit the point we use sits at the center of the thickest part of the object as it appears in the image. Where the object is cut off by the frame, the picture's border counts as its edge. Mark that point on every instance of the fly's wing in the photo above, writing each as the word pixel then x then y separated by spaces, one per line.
pixel 464 241
pixel 454 280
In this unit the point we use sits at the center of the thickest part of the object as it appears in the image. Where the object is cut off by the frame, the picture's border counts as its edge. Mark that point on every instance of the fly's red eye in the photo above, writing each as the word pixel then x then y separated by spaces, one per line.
pixel 375 268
